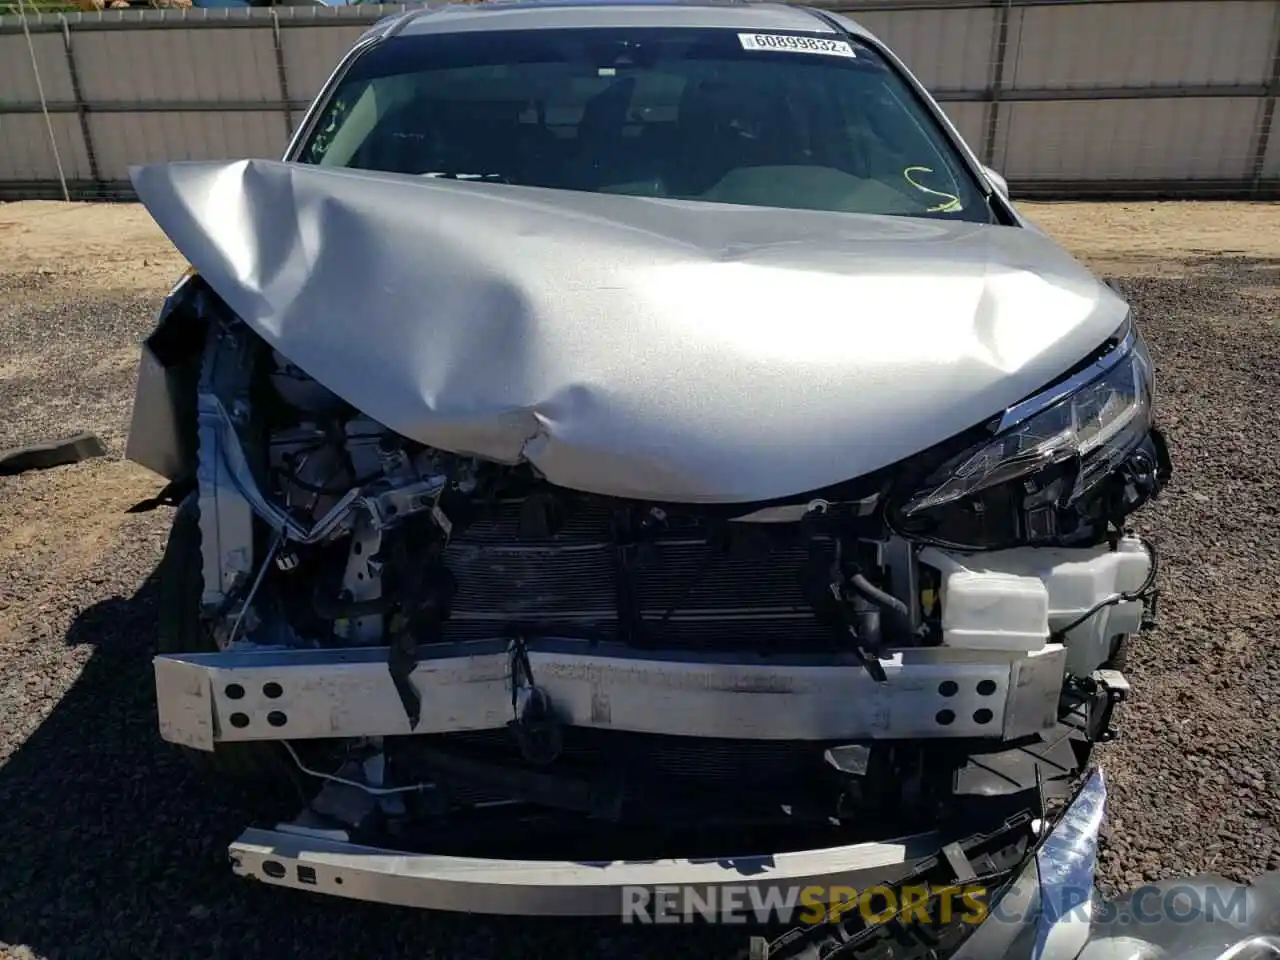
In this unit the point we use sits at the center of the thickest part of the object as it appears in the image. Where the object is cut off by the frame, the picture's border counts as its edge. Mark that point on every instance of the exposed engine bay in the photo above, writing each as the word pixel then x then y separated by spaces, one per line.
pixel 528 622
pixel 582 654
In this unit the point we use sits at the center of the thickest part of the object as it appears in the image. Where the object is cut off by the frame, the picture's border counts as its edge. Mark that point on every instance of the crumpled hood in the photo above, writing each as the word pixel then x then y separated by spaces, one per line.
pixel 659 349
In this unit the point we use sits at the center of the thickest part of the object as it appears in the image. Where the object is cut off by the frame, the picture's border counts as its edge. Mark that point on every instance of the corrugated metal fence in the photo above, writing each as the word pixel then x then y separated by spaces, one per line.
pixel 1086 97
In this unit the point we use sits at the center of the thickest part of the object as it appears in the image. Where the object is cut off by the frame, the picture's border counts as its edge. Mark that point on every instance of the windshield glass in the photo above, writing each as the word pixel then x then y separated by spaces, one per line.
pixel 807 121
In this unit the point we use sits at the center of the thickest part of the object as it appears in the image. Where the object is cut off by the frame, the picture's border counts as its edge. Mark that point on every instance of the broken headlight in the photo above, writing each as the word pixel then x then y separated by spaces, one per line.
pixel 1048 453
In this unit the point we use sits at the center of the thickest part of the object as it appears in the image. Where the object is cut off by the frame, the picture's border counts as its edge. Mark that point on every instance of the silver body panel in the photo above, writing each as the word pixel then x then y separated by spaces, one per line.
pixel 206 699
pixel 658 349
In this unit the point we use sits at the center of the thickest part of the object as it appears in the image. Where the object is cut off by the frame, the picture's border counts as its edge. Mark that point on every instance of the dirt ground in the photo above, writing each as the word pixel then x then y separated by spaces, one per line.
pixel 1165 238
pixel 110 847
pixel 120 247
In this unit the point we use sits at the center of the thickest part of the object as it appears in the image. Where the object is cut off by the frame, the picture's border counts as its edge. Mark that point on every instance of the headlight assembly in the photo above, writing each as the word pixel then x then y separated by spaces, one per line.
pixel 1048 453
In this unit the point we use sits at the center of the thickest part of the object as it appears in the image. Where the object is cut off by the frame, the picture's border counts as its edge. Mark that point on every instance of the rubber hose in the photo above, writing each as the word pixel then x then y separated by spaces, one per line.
pixel 869 591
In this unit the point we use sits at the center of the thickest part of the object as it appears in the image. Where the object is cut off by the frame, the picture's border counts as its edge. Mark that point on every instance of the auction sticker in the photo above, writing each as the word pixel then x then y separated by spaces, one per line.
pixel 789 44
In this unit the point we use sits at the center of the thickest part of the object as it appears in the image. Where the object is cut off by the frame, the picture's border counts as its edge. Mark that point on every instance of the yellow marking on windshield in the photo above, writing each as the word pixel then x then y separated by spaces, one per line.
pixel 952 204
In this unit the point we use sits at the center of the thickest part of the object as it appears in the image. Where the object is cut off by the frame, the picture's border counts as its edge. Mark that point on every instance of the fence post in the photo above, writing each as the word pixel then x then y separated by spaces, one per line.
pixel 282 75
pixel 1001 44
pixel 82 107
pixel 1267 120
pixel 44 105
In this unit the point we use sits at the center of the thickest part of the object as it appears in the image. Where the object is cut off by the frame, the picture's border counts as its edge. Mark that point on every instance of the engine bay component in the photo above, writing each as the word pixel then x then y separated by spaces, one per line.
pixel 1025 597
pixel 990 610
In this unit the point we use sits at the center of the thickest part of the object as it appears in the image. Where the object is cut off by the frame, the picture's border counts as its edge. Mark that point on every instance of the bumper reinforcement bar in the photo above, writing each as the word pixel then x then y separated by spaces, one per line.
pixel 324 864
pixel 279 694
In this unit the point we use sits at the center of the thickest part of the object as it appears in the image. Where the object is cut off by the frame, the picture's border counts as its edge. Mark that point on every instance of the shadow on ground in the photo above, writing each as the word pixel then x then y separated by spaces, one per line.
pixel 113 847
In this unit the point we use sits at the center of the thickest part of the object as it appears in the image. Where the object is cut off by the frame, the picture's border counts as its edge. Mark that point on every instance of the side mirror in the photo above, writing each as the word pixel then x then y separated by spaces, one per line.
pixel 997 181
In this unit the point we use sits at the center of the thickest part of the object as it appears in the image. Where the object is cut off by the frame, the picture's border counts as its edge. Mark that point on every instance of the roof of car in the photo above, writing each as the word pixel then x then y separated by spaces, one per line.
pixel 543 14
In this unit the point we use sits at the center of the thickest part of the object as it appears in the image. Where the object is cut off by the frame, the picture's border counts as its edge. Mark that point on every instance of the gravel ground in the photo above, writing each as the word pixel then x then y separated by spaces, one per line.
pixel 112 848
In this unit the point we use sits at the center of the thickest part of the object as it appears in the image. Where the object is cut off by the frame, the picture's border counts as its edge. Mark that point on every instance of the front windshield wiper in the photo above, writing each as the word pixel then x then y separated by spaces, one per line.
pixel 455 175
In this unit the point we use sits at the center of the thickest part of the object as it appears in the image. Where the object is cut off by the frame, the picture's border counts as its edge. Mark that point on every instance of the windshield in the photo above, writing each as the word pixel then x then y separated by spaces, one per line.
pixel 806 121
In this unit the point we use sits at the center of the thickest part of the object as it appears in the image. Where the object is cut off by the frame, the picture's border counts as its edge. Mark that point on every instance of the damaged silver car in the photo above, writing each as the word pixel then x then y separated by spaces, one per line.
pixel 620 435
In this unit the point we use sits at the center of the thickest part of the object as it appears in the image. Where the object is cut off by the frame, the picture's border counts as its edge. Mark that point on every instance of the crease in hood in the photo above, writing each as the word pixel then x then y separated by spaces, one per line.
pixel 658 349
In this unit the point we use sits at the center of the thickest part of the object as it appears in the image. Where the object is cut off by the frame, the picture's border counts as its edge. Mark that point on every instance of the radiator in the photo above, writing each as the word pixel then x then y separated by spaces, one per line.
pixel 691 585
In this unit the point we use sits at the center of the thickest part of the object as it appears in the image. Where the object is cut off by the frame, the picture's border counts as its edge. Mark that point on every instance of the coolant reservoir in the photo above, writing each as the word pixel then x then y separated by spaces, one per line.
pixel 1074 580
pixel 989 609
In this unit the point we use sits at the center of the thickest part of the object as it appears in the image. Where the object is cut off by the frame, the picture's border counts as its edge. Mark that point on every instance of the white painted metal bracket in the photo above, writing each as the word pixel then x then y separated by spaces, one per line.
pixel 551 887
pixel 238 695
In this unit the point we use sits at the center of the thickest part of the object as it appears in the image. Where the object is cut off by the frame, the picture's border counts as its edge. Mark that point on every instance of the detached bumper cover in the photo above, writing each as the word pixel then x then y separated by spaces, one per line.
pixel 205 699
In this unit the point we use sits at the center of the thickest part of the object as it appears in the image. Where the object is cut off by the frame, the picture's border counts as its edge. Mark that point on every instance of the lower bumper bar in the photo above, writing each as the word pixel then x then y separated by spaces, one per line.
pixel 560 888
pixel 264 694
